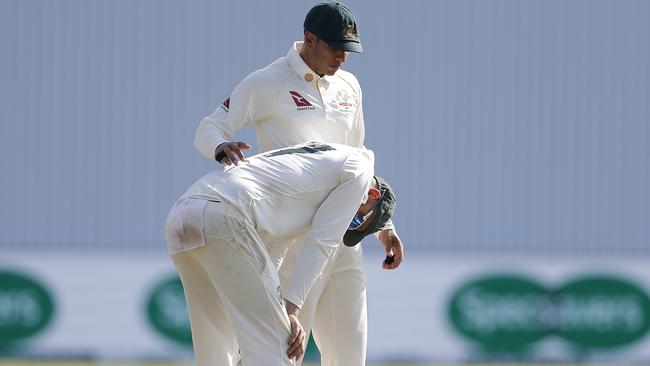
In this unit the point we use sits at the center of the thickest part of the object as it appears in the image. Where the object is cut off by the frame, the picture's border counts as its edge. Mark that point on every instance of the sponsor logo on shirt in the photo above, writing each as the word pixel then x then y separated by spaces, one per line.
pixel 300 101
pixel 344 99
pixel 226 105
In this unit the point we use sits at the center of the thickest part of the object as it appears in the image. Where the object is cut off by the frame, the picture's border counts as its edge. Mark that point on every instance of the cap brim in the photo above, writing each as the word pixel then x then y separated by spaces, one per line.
pixel 349 46
pixel 353 237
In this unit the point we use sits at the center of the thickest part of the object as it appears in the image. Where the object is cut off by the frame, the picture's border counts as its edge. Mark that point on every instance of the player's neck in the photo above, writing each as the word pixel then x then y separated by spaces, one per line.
pixel 309 62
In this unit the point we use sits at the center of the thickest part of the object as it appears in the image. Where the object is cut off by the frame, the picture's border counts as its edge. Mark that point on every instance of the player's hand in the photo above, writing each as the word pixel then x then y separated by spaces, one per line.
pixel 297 337
pixel 394 248
pixel 230 152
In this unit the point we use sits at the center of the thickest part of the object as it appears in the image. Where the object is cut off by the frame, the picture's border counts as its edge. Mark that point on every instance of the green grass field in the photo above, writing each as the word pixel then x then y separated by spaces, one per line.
pixel 58 363
pixel 78 363
pixel 84 363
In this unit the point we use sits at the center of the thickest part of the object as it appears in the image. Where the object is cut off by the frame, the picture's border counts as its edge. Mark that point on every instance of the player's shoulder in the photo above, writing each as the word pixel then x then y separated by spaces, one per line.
pixel 356 158
pixel 365 155
pixel 350 79
pixel 268 78
pixel 258 92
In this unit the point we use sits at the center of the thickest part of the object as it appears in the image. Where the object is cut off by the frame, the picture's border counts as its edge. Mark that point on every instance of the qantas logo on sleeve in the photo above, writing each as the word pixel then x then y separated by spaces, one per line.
pixel 226 105
pixel 300 101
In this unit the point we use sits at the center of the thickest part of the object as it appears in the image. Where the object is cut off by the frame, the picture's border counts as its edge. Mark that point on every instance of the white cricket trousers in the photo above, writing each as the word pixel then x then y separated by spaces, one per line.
pixel 335 309
pixel 233 295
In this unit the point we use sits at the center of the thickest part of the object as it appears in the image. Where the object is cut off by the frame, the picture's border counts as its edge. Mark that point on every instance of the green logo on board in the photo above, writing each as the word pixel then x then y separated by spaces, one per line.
pixel 26 307
pixel 507 312
pixel 601 312
pixel 500 311
pixel 167 311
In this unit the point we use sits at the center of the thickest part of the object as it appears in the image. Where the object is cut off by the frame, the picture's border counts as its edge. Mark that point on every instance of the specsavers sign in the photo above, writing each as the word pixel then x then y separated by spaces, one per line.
pixel 26 307
pixel 510 312
pixel 167 311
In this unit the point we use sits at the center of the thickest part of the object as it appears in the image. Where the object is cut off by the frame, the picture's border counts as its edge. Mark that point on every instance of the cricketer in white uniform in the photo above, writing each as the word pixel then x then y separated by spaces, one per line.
pixel 220 233
pixel 305 96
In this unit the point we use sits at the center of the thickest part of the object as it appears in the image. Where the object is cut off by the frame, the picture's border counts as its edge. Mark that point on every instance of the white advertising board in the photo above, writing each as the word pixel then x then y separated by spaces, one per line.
pixel 436 307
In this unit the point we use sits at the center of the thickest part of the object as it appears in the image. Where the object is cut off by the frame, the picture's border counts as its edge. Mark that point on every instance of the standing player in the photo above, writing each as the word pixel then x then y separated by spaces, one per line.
pixel 305 96
pixel 218 234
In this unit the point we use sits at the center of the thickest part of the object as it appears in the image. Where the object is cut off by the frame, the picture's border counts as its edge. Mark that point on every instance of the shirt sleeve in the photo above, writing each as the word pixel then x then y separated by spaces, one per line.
pixel 387 226
pixel 329 225
pixel 251 101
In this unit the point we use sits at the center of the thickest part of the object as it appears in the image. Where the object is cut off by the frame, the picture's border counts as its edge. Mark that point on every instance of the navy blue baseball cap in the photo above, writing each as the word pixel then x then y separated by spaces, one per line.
pixel 334 23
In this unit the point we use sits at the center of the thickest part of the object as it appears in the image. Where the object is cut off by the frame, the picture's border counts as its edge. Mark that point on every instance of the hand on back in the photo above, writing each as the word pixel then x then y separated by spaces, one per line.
pixel 229 153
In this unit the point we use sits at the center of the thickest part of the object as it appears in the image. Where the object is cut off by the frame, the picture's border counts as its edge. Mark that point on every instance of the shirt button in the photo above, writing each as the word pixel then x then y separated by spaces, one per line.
pixel 309 77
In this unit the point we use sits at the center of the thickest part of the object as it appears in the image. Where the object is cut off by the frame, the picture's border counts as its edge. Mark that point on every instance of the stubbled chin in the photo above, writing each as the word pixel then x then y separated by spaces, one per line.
pixel 332 70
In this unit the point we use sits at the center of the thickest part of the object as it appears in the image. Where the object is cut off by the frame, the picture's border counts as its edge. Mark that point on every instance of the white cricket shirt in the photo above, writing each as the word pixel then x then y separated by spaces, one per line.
pixel 288 103
pixel 311 188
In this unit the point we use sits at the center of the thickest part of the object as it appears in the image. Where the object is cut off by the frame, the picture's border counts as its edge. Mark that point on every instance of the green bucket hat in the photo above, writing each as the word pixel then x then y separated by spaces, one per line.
pixel 384 211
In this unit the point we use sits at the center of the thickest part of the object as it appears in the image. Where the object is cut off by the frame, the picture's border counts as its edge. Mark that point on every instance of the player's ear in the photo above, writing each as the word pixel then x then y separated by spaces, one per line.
pixel 374 193
pixel 310 39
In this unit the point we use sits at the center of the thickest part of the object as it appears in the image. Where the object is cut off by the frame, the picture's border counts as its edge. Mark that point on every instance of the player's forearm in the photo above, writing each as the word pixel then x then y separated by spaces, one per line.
pixel 207 138
pixel 292 309
pixel 329 225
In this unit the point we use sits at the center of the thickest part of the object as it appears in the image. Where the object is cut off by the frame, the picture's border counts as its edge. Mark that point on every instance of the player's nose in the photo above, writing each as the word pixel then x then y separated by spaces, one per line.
pixel 341 55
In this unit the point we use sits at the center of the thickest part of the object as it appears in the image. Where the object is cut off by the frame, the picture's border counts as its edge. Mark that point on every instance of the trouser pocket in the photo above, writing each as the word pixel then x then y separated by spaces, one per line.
pixel 226 223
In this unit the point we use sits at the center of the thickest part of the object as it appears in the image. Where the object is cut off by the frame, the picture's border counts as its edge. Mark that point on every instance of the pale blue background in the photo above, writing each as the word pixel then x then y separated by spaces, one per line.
pixel 501 124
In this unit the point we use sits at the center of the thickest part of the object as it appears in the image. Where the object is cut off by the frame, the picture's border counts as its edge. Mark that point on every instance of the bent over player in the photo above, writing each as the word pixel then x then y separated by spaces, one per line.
pixel 306 96
pixel 220 231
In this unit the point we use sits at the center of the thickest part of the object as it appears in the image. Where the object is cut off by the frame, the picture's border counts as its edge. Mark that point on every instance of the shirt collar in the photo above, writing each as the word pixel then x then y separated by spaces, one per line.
pixel 299 65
